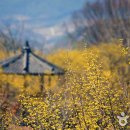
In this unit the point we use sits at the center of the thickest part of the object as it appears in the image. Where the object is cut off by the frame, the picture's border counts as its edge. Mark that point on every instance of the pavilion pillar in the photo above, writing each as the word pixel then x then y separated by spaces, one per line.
pixel 42 88
pixel 49 80
pixel 25 82
pixel 7 88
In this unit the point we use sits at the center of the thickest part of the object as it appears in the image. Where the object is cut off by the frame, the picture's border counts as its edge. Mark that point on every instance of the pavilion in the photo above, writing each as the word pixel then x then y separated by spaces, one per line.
pixel 28 63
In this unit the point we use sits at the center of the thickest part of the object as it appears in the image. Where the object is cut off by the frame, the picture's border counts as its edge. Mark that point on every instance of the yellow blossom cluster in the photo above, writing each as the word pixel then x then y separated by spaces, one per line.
pixel 93 92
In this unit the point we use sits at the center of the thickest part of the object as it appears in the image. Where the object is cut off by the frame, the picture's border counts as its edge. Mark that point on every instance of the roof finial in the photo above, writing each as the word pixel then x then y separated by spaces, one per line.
pixel 27 47
pixel 27 43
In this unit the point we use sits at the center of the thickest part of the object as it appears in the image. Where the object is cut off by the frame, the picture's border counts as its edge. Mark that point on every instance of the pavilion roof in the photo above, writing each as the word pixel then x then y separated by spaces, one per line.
pixel 29 63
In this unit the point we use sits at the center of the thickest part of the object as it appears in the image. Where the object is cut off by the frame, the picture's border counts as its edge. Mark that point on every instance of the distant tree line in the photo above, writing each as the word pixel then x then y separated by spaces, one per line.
pixel 10 39
pixel 103 20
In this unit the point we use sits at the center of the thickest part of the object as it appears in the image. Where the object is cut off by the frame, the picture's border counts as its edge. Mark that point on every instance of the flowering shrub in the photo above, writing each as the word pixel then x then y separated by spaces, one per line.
pixel 92 93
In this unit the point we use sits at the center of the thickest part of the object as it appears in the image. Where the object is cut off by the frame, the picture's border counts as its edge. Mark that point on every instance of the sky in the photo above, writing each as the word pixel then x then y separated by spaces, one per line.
pixel 38 18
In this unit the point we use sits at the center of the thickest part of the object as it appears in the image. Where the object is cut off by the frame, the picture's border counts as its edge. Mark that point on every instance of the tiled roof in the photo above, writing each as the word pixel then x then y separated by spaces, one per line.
pixel 29 63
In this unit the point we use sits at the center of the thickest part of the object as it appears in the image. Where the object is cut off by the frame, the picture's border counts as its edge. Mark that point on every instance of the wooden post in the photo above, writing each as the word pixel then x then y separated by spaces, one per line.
pixel 25 82
pixel 42 83
pixel 49 80
pixel 7 88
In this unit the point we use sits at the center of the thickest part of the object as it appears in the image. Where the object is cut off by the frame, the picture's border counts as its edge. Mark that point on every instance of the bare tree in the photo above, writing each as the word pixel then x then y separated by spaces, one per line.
pixel 10 38
pixel 102 21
